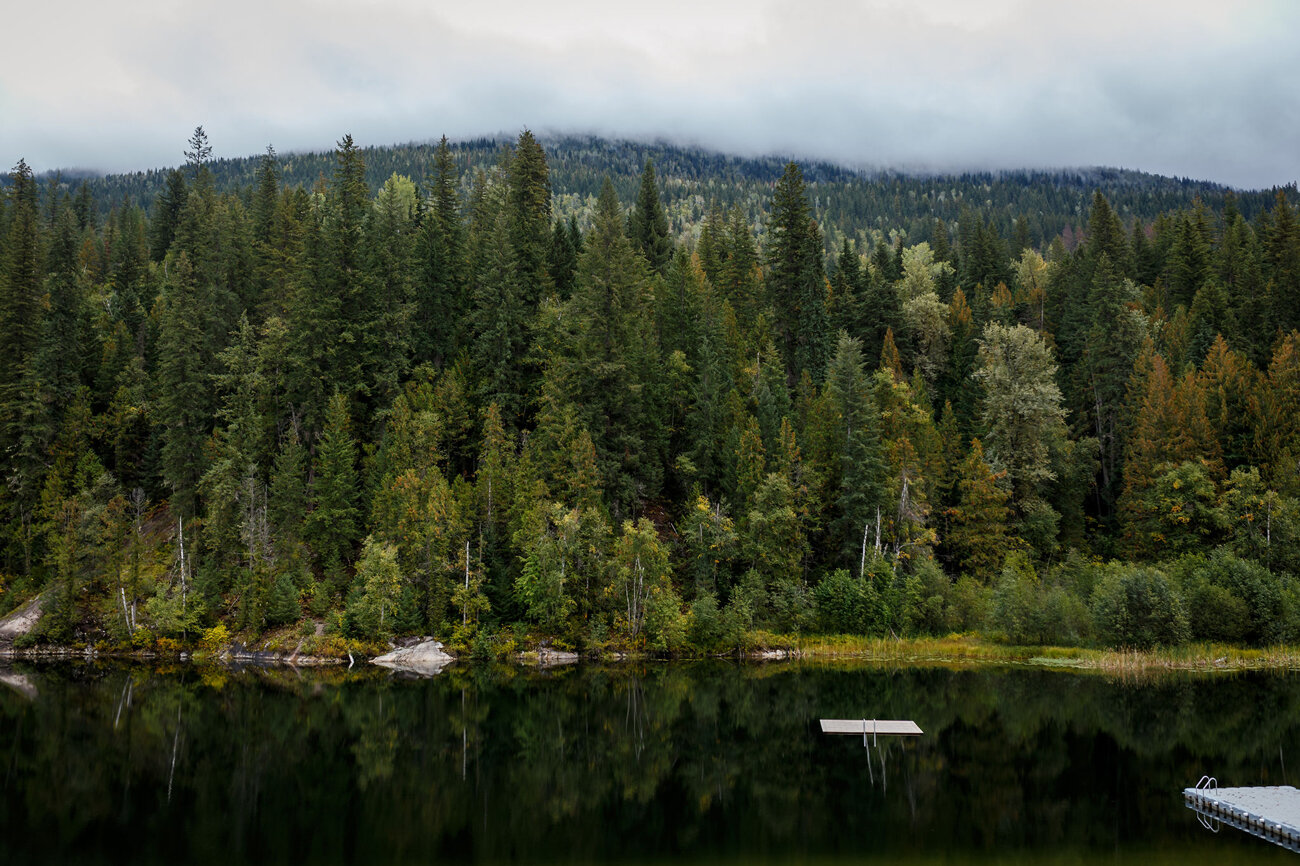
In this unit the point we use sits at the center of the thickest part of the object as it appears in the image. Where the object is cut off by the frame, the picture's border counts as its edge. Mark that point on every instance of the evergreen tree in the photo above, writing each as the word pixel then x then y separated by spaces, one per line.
pixel 977 538
pixel 333 524
pixel 562 259
pixel 1282 252
pixel 166 214
pixel 795 277
pixel 1189 259
pixel 441 288
pixel 530 218
pixel 498 316
pixel 24 258
pixel 1114 339
pixel 613 360
pixel 183 385
pixel 1106 236
pixel 648 225
pixel 861 492
pixel 846 286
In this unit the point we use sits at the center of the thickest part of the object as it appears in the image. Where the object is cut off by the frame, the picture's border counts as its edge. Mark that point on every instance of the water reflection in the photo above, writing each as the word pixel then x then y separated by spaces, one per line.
pixel 707 762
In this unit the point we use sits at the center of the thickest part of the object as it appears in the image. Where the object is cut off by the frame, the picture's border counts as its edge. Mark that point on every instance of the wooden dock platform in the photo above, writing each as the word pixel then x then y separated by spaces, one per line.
pixel 878 727
pixel 1271 813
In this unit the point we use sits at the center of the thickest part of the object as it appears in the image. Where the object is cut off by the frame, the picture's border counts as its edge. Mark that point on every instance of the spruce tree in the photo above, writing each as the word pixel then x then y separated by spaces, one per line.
pixel 442 292
pixel 977 539
pixel 847 285
pixel 184 388
pixel 1282 252
pixel 615 360
pixel 648 225
pixel 166 214
pixel 787 244
pixel 796 278
pixel 530 219
pixel 861 492
pixel 333 525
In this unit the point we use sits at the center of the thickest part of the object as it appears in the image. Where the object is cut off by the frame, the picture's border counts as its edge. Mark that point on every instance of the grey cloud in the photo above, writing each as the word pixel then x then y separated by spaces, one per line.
pixel 1185 88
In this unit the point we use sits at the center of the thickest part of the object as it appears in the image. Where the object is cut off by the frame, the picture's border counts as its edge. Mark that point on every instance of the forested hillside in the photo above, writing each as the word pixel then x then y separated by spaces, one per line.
pixel 864 206
pixel 487 391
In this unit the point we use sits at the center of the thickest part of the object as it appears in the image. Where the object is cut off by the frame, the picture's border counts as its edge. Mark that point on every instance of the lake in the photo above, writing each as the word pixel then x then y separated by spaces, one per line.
pixel 711 762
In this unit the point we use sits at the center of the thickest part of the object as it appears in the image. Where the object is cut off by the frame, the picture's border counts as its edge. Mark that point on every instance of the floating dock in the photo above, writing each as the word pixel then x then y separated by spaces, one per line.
pixel 1271 813
pixel 870 727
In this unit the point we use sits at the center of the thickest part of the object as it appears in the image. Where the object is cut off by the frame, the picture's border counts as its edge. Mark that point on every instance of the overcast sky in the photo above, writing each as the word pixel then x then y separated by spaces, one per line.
pixel 1209 90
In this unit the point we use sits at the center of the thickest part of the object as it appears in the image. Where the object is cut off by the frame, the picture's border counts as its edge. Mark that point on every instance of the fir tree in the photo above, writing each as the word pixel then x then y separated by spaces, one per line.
pixel 648 225
pixel 333 524
pixel 441 290
pixel 977 536
pixel 530 218
pixel 861 492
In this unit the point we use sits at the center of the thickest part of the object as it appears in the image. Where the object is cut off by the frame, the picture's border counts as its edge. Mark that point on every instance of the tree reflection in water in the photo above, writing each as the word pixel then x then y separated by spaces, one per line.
pixel 708 762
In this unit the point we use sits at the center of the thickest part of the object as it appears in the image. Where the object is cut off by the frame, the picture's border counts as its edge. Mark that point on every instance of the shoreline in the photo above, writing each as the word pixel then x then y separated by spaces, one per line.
pixel 954 650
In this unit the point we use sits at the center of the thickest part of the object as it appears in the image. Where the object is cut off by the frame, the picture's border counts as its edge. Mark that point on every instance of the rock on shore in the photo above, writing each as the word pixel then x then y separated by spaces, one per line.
pixel 425 658
pixel 19 622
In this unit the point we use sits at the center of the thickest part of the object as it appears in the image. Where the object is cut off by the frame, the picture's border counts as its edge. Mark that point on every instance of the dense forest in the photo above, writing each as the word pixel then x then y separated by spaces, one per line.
pixel 488 393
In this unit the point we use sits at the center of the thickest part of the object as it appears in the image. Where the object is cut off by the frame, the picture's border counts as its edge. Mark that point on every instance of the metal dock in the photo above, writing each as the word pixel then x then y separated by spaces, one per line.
pixel 1271 813
pixel 881 727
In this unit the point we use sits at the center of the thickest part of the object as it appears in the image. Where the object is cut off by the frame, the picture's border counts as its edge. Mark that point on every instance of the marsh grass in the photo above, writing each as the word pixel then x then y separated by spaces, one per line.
pixel 975 650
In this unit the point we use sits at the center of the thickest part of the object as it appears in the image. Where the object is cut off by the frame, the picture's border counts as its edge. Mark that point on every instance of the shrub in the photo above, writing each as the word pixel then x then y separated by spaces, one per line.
pixel 838 601
pixel 282 603
pixel 1030 610
pixel 1135 606
pixel 665 626
pixel 216 637
pixel 1015 595
pixel 705 627
pixel 1231 599
pixel 969 604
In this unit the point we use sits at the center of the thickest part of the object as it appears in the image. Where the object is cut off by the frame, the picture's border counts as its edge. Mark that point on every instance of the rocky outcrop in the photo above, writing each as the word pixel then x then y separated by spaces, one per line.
pixel 547 657
pixel 19 623
pixel 425 658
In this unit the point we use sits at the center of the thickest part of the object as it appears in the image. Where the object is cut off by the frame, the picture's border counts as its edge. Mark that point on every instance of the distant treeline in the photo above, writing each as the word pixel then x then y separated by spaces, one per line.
pixel 467 399
pixel 861 205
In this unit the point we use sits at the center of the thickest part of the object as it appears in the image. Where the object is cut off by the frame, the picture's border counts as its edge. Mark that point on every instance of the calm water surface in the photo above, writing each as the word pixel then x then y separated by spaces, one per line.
pixel 717 763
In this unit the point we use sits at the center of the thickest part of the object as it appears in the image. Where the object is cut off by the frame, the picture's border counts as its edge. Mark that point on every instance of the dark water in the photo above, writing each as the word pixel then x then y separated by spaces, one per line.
pixel 716 763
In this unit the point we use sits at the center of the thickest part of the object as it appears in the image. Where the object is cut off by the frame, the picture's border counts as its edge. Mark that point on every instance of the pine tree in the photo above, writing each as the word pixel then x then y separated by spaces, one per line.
pixel 648 225
pixel 530 219
pixel 441 287
pixel 796 280
pixel 847 286
pixel 183 386
pixel 334 522
pixel 390 239
pixel 614 359
pixel 198 150
pixel 1282 251
pixel 1106 236
pixel 861 493
pixel 20 281
pixel 562 259
pixel 977 539
pixel 166 214
pixel 287 496
pixel 1113 342
pixel 1189 259
pixel 712 245
pixel 498 318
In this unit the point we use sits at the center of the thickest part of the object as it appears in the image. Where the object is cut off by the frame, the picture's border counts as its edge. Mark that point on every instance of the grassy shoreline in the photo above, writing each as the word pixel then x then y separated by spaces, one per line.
pixel 975 650
pixel 953 650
